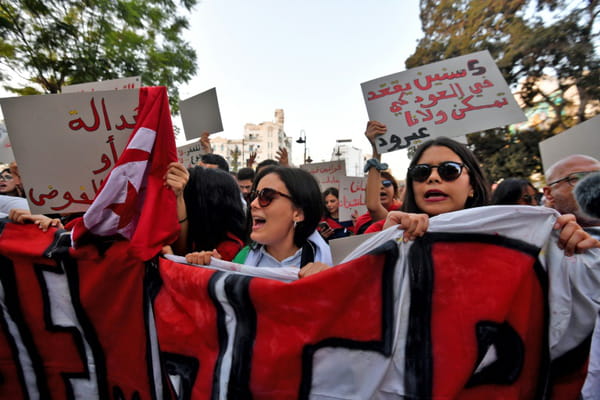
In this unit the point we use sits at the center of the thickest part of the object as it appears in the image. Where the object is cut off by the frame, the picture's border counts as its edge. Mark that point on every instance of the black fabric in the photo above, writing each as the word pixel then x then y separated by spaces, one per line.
pixel 510 354
pixel 308 253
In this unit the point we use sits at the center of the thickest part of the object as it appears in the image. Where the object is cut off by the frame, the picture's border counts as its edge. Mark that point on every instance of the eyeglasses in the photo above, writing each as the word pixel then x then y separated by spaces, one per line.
pixel 386 183
pixel 6 177
pixel 447 170
pixel 266 196
pixel 572 178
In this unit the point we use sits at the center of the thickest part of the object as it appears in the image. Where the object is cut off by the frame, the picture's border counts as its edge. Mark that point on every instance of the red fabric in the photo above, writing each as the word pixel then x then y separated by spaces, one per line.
pixel 376 226
pixel 186 320
pixel 483 282
pixel 106 293
pixel 568 386
pixel 148 217
pixel 332 223
pixel 366 217
pixel 230 247
pixel 287 320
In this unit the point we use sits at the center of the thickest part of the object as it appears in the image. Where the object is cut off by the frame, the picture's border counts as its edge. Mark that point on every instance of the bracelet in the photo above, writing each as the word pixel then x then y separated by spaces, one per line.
pixel 183 220
pixel 373 162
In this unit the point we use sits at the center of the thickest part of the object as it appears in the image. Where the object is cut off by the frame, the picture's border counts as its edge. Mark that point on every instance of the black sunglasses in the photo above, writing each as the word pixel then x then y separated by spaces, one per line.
pixel 447 170
pixel 531 200
pixel 386 183
pixel 266 196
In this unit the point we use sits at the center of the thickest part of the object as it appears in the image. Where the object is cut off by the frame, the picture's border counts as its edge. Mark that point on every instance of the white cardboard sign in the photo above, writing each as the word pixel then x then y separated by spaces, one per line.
pixel 190 154
pixel 68 148
pixel 352 196
pixel 583 139
pixel 201 114
pixel 447 98
pixel 328 174
pixel 134 82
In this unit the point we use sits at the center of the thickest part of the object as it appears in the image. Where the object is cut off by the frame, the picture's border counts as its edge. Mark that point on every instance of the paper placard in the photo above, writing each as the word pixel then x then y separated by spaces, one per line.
pixel 66 151
pixel 352 197
pixel 583 139
pixel 190 154
pixel 134 82
pixel 328 174
pixel 6 153
pixel 201 114
pixel 447 98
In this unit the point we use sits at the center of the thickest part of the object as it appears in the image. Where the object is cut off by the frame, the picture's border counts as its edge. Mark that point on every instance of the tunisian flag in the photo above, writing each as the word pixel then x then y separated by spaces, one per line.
pixel 133 201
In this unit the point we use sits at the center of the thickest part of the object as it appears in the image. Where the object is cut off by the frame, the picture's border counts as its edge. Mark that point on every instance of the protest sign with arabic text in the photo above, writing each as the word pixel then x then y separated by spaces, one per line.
pixel 328 174
pixel 190 154
pixel 66 151
pixel 133 82
pixel 352 197
pixel 447 98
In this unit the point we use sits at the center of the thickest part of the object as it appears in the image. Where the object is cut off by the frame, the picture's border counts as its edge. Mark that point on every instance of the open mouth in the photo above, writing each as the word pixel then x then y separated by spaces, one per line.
pixel 435 195
pixel 258 222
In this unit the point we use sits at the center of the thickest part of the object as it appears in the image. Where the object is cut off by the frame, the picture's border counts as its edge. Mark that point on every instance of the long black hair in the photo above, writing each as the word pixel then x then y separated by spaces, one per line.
pixel 510 190
pixel 214 208
pixel 305 193
pixel 481 191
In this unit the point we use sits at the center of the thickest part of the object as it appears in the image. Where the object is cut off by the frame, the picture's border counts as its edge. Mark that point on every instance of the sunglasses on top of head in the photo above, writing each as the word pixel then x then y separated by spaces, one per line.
pixel 266 196
pixel 447 170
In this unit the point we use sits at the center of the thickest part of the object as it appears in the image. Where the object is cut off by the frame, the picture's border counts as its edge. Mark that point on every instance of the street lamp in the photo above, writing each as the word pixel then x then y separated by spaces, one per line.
pixel 302 140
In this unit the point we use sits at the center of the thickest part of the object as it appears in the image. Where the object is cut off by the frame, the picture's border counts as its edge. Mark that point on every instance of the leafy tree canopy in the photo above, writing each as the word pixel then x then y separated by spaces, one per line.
pixel 530 40
pixel 52 43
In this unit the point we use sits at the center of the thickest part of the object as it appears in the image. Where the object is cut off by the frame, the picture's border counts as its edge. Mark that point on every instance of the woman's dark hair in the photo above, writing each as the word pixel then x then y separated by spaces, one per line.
pixel 329 191
pixel 214 208
pixel 481 191
pixel 510 190
pixel 306 195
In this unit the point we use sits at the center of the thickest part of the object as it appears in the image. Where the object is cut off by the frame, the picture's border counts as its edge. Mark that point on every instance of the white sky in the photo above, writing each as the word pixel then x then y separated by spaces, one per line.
pixel 308 58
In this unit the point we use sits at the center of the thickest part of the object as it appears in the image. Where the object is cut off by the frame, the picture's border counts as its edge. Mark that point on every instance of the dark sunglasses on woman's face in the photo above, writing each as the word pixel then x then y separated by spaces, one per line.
pixel 386 183
pixel 6 177
pixel 531 200
pixel 266 196
pixel 447 170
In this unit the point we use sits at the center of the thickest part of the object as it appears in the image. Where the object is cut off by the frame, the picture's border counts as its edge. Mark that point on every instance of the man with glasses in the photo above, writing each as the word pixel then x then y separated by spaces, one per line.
pixel 562 178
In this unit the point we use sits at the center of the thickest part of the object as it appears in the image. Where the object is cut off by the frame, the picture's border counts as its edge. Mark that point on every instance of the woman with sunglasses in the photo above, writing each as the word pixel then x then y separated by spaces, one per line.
pixel 516 191
pixel 10 183
pixel 445 176
pixel 12 194
pixel 284 210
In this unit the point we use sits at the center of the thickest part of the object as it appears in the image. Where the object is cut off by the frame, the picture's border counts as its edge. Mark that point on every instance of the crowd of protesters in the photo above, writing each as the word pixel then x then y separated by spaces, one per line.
pixel 277 215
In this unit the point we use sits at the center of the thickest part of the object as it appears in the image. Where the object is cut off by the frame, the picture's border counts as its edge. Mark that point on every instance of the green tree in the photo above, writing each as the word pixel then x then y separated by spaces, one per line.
pixel 528 49
pixel 52 43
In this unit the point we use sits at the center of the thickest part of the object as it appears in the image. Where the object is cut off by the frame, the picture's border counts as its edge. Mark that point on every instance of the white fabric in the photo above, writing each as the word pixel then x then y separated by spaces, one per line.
pixel 285 274
pixel 573 300
pixel 591 386
pixel 7 203
pixel 322 254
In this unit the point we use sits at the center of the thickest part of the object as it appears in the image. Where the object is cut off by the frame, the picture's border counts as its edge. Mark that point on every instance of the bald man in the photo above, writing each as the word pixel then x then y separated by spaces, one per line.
pixel 562 177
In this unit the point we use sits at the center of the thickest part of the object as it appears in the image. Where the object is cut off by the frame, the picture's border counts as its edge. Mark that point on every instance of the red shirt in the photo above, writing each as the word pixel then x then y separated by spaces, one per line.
pixel 366 218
